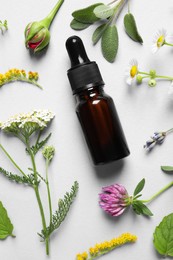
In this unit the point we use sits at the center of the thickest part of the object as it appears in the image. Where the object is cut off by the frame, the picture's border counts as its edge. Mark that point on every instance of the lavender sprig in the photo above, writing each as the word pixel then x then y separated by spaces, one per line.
pixel 156 138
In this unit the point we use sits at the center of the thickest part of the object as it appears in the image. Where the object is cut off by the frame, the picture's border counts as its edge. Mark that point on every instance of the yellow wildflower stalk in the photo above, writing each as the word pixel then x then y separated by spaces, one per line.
pixel 19 75
pixel 107 246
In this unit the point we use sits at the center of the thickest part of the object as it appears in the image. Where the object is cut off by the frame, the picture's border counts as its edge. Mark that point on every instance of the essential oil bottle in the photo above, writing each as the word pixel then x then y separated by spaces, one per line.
pixel 95 109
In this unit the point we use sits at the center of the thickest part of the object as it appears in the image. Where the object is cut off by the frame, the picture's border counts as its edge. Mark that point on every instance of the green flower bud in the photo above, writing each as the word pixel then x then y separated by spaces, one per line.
pixel 37 36
pixel 139 79
pixel 153 74
pixel 152 82
pixel 48 152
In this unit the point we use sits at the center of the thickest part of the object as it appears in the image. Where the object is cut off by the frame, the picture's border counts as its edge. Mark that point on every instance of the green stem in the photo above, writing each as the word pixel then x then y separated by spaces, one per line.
pixel 117 10
pixel 48 20
pixel 158 193
pixel 38 194
pixel 128 6
pixel 164 77
pixel 13 162
pixel 48 190
pixel 168 44
pixel 143 73
pixel 169 131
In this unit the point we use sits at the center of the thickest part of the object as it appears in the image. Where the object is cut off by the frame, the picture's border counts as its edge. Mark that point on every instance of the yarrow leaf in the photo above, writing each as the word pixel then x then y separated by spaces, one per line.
pixel 76 25
pixel 141 209
pixel 168 169
pixel 63 208
pixel 99 32
pixel 40 144
pixel 6 227
pixel 163 236
pixel 110 43
pixel 103 11
pixel 131 28
pixel 139 187
pixel 16 178
pixel 86 15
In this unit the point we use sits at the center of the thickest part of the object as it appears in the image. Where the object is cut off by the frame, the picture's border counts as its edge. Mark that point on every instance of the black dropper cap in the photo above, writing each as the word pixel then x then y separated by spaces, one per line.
pixel 84 73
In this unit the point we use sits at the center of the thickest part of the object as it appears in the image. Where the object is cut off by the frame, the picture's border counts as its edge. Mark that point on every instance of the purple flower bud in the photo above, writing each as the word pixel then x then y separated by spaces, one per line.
pixel 114 199
pixel 159 137
pixel 156 138
pixel 150 144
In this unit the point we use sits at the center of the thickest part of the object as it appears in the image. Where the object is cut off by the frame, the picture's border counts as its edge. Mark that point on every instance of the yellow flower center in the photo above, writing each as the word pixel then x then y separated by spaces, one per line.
pixel 133 71
pixel 160 41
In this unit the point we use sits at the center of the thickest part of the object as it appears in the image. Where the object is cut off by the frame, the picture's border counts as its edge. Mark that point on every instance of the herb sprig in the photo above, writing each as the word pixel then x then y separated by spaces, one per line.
pixel 27 127
pixel 106 16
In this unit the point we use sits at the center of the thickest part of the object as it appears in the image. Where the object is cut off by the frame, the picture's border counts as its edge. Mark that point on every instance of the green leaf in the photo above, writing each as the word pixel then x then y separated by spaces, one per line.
pixel 76 25
pixel 141 209
pixel 168 169
pixel 131 28
pixel 163 236
pixel 139 187
pixel 103 11
pixel 86 15
pixel 109 43
pixel 61 213
pixel 99 32
pixel 28 179
pixel 35 148
pixel 6 227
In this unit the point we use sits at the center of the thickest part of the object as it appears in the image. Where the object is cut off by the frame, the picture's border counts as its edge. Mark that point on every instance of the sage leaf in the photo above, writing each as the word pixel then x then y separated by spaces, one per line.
pixel 78 25
pixel 139 187
pixel 109 43
pixel 6 227
pixel 131 28
pixel 86 15
pixel 163 236
pixel 168 169
pixel 103 11
pixel 99 32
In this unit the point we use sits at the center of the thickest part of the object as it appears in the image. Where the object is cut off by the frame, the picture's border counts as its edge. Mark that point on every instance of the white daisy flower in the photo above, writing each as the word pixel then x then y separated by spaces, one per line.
pixel 170 91
pixel 132 71
pixel 159 40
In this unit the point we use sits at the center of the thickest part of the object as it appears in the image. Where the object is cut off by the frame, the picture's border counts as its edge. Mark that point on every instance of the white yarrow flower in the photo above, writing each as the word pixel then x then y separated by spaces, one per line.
pixel 37 118
pixel 159 40
pixel 132 71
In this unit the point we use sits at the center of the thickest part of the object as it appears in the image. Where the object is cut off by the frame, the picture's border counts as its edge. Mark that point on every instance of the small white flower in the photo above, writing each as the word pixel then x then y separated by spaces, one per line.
pixel 159 40
pixel 170 90
pixel 132 71
pixel 37 118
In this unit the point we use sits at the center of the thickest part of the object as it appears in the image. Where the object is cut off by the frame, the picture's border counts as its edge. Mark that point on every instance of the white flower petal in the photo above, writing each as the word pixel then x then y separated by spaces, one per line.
pixel 129 81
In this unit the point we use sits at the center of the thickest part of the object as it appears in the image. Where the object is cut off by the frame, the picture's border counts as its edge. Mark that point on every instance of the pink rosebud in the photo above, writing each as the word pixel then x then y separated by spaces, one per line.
pixel 114 199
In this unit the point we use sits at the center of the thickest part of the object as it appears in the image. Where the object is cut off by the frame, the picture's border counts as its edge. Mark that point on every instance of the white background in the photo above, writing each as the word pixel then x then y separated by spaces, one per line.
pixel 142 111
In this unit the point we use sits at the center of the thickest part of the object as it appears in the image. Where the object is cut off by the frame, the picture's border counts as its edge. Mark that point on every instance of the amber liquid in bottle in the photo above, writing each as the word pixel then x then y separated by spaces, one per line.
pixel 101 126
pixel 95 109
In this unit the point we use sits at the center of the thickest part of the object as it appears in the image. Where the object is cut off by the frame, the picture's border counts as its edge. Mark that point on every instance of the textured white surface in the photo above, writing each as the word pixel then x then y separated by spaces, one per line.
pixel 142 110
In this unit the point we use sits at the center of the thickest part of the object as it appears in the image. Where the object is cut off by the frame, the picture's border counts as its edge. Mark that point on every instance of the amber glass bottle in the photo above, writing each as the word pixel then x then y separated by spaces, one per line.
pixel 95 109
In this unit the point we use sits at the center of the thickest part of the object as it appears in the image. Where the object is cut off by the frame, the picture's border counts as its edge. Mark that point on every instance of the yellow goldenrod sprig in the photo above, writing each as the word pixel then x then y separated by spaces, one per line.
pixel 3 26
pixel 107 246
pixel 19 75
